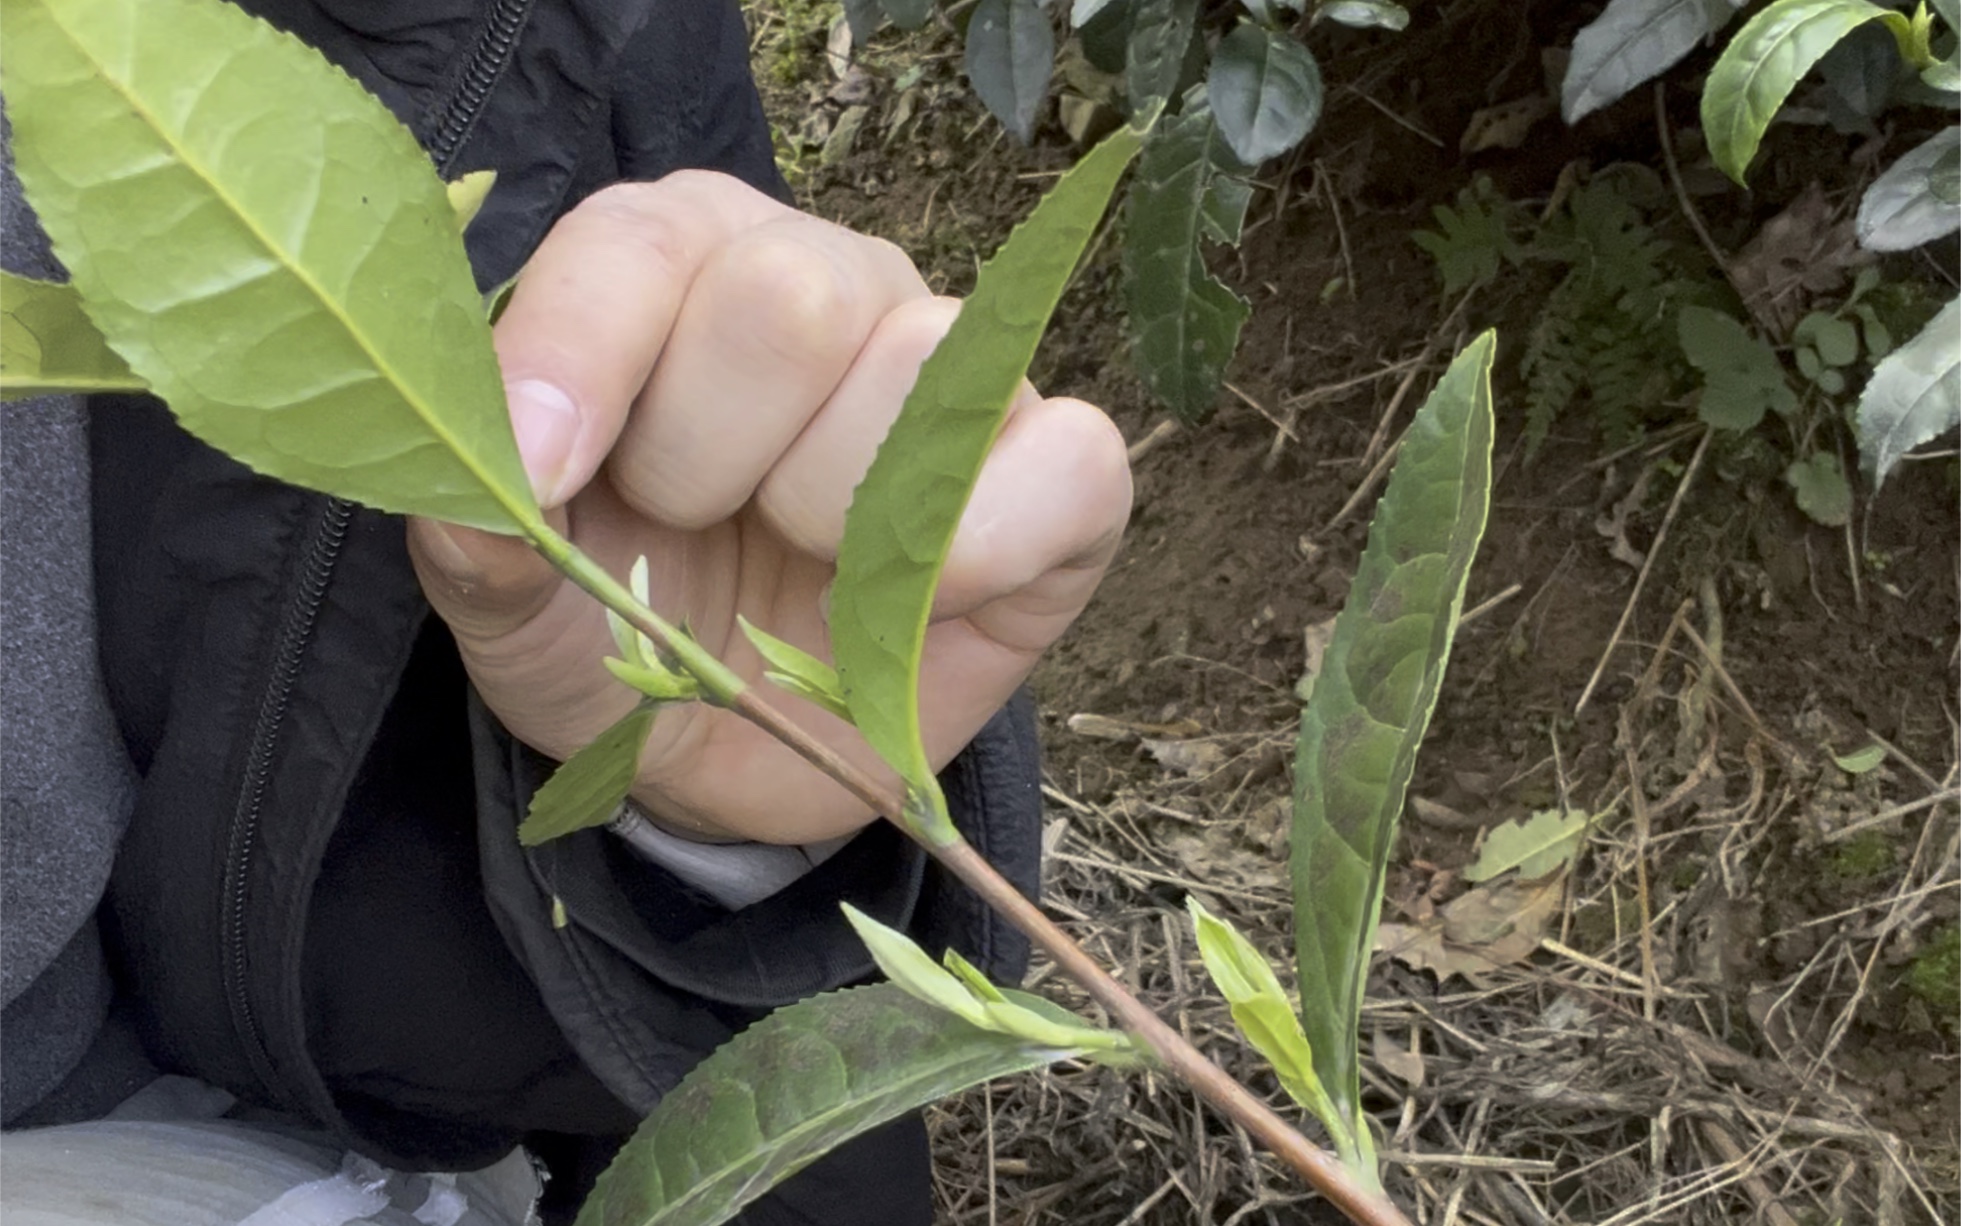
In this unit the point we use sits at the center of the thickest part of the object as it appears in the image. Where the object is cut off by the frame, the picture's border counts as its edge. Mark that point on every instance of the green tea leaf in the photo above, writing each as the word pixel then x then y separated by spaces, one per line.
pixel 267 248
pixel 799 672
pixel 786 1091
pixel 960 989
pixel 1160 36
pixel 1914 395
pixel 1184 322
pixel 1765 61
pixel 1742 377
pixel 864 17
pixel 1010 52
pixel 49 347
pixel 588 789
pixel 903 515
pixel 1266 92
pixel 908 14
pixel 1633 41
pixel 1372 702
pixel 1907 205
pixel 1363 14
pixel 1535 846
pixel 467 194
pixel 1821 488
pixel 1264 1014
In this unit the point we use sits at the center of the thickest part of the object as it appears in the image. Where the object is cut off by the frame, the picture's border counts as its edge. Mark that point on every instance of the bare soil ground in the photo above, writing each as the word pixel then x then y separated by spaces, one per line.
pixel 1714 1018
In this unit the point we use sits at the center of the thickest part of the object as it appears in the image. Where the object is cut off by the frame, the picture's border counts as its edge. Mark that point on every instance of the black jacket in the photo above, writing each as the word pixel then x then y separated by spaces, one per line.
pixel 321 904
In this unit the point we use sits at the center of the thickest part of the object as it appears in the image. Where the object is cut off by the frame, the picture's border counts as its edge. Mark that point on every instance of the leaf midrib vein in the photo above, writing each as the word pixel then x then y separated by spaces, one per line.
pixel 729 1170
pixel 405 391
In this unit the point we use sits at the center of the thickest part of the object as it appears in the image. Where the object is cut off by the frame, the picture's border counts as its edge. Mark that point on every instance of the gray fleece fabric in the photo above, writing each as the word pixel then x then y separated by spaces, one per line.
pixel 65 780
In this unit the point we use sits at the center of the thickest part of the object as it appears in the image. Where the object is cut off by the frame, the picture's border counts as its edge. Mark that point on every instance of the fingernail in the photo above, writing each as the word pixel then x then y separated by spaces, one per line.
pixel 547 425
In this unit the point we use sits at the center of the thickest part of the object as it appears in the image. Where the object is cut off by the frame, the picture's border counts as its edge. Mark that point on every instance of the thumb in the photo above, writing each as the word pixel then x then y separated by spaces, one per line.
pixel 483 584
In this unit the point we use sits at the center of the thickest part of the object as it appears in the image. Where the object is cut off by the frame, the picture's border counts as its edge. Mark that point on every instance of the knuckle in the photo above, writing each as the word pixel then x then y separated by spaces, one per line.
pixel 797 304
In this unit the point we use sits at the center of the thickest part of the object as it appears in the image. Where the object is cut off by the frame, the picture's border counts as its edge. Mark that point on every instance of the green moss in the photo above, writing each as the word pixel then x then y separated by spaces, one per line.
pixel 1935 976
pixel 1864 855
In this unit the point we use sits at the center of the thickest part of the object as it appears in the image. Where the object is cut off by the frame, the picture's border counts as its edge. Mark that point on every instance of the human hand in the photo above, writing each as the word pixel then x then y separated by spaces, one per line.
pixel 702 375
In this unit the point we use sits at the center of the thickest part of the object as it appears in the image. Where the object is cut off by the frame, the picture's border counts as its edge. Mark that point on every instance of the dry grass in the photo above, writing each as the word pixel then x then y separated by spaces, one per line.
pixel 1617 1087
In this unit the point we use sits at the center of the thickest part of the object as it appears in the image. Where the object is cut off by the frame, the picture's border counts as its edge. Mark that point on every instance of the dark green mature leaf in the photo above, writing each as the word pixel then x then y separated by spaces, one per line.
pixel 1184 322
pixel 1372 702
pixel 1010 52
pixel 1265 90
pixel 588 789
pixel 1914 395
pixel 1160 36
pixel 908 14
pixel 1908 205
pixel 1763 63
pixel 864 17
pixel 1741 376
pixel 903 515
pixel 267 248
pixel 787 1090
pixel 49 347
pixel 1630 42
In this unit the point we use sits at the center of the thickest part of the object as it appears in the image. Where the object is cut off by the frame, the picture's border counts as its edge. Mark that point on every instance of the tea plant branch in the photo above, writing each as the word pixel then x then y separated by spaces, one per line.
pixel 1321 1169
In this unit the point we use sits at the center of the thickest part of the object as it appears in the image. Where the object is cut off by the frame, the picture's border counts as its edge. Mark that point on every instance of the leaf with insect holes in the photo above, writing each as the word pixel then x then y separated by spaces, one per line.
pixel 1009 54
pixel 1762 64
pixel 49 346
pixel 1536 846
pixel 1263 1013
pixel 1741 376
pixel 1633 41
pixel 797 671
pixel 1909 204
pixel 268 248
pixel 1913 395
pixel 1160 36
pixel 903 515
pixel 588 789
pixel 1184 322
pixel 1372 702
pixel 1266 92
pixel 788 1090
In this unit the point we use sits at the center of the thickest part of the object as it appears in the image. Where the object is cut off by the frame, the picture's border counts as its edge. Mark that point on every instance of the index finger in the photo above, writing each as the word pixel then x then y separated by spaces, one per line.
pixel 593 310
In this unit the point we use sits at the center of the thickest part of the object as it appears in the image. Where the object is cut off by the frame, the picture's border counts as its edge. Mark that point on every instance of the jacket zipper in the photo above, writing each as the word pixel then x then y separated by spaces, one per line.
pixel 486 64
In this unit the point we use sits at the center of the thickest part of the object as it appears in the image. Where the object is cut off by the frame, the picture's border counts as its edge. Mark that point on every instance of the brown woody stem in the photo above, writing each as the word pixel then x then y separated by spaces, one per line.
pixel 1321 1169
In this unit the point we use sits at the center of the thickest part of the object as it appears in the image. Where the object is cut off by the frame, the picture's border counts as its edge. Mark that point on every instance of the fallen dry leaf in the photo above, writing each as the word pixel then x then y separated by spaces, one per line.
pixel 1186 757
pixel 1398 1060
pixel 1110 728
pixel 1798 254
pixel 1504 126
pixel 1477 932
